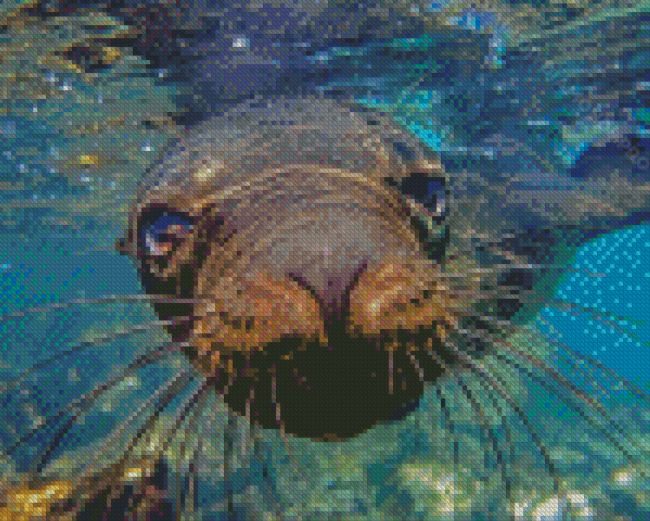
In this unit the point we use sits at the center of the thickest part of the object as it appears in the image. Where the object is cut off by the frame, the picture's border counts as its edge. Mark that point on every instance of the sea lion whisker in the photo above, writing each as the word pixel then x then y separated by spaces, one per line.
pixel 602 317
pixel 188 407
pixel 460 434
pixel 585 400
pixel 578 363
pixel 283 433
pixel 80 346
pixel 598 409
pixel 529 296
pixel 494 382
pixel 93 478
pixel 229 445
pixel 476 406
pixel 572 355
pixel 482 420
pixel 449 421
pixel 193 485
pixel 228 456
pixel 191 432
pixel 109 299
pixel 249 400
pixel 161 397
pixel 508 434
pixel 416 365
pixel 84 402
pixel 255 436
pixel 560 381
pixel 536 297
pixel 502 267
pixel 391 367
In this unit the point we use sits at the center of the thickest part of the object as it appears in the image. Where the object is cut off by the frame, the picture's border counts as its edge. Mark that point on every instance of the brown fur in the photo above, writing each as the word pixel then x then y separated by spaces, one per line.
pixel 268 200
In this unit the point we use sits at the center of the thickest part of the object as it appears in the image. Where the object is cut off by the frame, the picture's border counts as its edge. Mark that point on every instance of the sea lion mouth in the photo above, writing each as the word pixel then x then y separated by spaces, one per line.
pixel 323 375
pixel 284 360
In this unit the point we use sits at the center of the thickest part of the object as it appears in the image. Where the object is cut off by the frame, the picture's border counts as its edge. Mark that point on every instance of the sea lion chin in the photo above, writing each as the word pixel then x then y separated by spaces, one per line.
pixel 300 274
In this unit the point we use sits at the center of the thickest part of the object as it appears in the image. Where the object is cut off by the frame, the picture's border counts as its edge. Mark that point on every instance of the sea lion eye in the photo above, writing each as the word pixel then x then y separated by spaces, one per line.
pixel 426 196
pixel 428 193
pixel 162 231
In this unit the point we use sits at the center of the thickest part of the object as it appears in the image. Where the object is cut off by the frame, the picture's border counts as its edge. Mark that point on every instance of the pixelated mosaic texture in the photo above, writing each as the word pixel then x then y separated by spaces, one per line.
pixel 90 98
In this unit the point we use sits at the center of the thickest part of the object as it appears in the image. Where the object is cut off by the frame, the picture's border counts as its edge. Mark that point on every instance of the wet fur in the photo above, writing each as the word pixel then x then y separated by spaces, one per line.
pixel 515 231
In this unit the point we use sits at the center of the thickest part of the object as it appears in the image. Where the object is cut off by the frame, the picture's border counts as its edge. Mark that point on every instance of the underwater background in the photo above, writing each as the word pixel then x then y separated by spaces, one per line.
pixel 82 116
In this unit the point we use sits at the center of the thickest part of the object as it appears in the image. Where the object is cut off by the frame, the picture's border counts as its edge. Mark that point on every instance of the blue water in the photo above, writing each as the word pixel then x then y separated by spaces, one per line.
pixel 41 265
pixel 613 278
pixel 619 284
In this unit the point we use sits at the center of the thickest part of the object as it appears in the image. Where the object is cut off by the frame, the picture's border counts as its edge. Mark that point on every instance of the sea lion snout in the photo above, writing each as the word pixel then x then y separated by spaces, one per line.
pixel 303 259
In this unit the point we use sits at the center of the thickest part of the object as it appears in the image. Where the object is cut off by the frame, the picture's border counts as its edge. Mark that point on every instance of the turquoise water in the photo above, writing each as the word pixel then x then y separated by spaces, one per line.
pixel 43 260
pixel 615 279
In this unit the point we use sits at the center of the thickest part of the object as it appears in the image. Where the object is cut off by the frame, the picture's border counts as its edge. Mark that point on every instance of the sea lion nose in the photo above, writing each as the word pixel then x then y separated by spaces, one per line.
pixel 325 255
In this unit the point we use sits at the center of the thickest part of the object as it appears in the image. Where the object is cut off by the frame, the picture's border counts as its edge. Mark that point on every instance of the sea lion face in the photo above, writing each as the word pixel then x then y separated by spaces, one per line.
pixel 297 231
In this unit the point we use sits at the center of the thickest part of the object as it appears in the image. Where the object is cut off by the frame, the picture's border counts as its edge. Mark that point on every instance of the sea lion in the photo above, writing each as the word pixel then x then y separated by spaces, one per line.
pixel 299 227
pixel 313 241
pixel 455 262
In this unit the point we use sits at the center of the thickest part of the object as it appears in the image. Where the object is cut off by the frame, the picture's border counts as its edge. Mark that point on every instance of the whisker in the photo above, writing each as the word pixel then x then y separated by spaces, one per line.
pixel 191 406
pixel 611 373
pixel 283 434
pixel 535 297
pixel 452 428
pixel 228 446
pixel 109 299
pixel 274 397
pixel 498 268
pixel 193 492
pixel 179 418
pixel 83 403
pixel 568 385
pixel 585 400
pixel 603 317
pixel 229 450
pixel 86 486
pixel 509 438
pixel 595 312
pixel 80 346
pixel 416 366
pixel 196 398
pixel 493 381
pixel 255 436
pixel 476 406
pixel 250 398
pixel 390 368
pixel 561 382
pixel 181 494
pixel 572 354
pixel 161 397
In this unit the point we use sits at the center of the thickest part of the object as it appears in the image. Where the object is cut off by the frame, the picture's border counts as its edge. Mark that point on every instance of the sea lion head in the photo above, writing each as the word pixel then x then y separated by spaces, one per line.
pixel 298 247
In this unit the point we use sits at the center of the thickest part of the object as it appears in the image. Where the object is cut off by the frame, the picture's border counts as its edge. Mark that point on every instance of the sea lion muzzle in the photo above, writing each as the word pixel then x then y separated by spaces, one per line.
pixel 287 227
